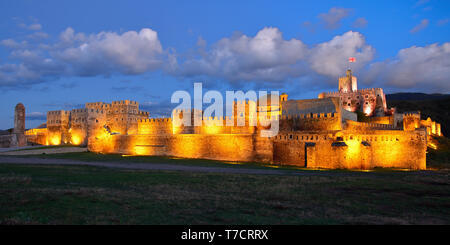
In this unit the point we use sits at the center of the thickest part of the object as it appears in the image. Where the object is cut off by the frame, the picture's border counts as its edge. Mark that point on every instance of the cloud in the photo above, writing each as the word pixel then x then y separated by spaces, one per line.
pixel 423 24
pixel 332 19
pixel 38 35
pixel 330 58
pixel 38 116
pixel 425 67
pixel 360 23
pixel 64 105
pixel 421 2
pixel 443 22
pixel 269 58
pixel 157 109
pixel 78 54
pixel 31 27
pixel 10 43
pixel 266 56
pixel 108 52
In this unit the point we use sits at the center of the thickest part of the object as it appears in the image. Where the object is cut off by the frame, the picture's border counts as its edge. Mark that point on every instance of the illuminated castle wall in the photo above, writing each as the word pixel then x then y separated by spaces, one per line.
pixel 314 133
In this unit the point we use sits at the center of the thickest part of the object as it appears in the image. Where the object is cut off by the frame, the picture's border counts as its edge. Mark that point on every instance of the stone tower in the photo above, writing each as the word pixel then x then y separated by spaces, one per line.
pixel 348 83
pixel 19 119
pixel 19 125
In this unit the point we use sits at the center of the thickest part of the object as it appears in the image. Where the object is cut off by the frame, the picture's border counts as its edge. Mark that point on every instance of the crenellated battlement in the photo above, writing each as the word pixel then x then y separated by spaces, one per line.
pixel 156 120
pixel 366 126
pixel 310 115
pixel 125 102
pixel 412 114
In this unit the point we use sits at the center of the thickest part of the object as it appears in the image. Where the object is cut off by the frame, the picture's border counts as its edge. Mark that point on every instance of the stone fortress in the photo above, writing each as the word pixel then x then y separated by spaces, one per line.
pixel 313 133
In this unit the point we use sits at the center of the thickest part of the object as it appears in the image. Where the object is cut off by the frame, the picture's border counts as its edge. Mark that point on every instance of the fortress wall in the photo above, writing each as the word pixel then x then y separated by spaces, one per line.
pixel 7 140
pixel 78 135
pixel 289 153
pixel 58 123
pixel 55 135
pixel 432 127
pixel 37 136
pixel 217 147
pixel 290 148
pixel 411 121
pixel 263 149
pixel 318 121
pixel 155 126
pixel 381 120
pixel 408 152
pixel 354 149
pixel 353 125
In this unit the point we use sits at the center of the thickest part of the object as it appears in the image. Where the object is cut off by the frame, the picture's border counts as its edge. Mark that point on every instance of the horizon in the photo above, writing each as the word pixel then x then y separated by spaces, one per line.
pixel 60 55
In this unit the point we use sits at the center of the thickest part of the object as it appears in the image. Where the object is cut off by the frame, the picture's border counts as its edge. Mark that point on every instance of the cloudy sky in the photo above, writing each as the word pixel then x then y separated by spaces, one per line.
pixel 61 54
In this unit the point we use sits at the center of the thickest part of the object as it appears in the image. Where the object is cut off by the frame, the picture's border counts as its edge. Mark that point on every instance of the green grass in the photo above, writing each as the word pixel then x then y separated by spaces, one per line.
pixel 91 195
pixel 96 157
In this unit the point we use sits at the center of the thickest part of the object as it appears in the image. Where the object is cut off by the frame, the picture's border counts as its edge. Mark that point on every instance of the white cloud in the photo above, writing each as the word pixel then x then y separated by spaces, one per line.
pixel 38 35
pixel 423 24
pixel 265 56
pixel 69 36
pixel 31 27
pixel 425 67
pixel 331 58
pixel 332 19
pixel 35 115
pixel 268 57
pixel 360 23
pixel 10 43
pixel 78 54
pixel 109 52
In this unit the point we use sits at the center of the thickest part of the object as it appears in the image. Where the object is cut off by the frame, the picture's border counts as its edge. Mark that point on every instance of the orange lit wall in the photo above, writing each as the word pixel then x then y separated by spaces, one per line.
pixel 225 147
pixel 382 148
pixel 37 136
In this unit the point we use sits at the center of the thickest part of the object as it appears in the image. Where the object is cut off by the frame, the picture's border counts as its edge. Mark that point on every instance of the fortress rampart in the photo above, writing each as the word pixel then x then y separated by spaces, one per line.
pixel 352 149
pixel 313 133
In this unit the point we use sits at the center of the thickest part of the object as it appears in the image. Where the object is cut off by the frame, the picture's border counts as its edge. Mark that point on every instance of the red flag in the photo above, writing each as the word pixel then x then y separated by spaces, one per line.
pixel 352 59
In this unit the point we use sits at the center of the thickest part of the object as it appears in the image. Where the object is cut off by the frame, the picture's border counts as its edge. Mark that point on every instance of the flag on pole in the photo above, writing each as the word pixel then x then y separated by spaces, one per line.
pixel 352 59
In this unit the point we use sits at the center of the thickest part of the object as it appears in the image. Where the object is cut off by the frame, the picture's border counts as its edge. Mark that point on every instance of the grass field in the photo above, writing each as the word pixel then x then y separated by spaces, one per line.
pixel 91 195
pixel 44 194
pixel 95 157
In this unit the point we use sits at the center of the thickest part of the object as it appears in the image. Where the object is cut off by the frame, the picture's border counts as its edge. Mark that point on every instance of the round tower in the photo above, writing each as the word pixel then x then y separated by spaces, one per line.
pixel 19 119
pixel 19 126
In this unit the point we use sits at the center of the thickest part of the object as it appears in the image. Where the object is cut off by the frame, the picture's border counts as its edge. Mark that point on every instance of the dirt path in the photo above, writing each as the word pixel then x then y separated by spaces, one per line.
pixel 167 167
pixel 50 150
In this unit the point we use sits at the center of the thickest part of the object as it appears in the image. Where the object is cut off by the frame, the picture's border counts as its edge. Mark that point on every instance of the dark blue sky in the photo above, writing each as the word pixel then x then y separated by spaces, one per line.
pixel 61 54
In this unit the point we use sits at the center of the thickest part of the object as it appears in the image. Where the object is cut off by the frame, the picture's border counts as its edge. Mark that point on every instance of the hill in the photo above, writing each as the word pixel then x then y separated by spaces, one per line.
pixel 435 106
pixel 416 96
pixel 6 131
